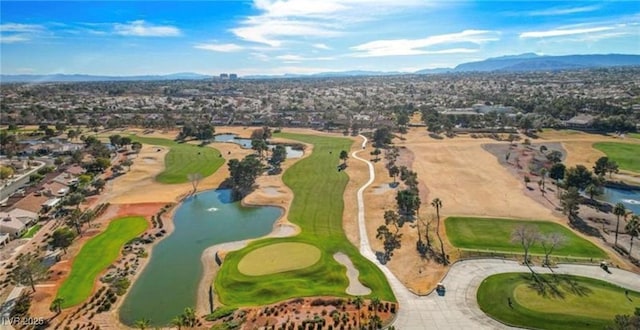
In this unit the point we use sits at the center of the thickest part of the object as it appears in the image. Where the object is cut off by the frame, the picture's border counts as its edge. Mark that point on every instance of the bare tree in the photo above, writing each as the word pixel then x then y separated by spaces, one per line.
pixel 526 236
pixel 195 179
pixel 550 242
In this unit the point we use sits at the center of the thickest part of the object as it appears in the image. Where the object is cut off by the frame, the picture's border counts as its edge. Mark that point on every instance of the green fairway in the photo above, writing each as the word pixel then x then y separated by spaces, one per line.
pixel 495 235
pixel 95 256
pixel 317 208
pixel 184 158
pixel 627 155
pixel 634 135
pixel 32 231
pixel 568 302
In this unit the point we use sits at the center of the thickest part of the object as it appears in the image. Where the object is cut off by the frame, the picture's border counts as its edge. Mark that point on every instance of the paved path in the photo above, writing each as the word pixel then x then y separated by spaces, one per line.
pixel 458 308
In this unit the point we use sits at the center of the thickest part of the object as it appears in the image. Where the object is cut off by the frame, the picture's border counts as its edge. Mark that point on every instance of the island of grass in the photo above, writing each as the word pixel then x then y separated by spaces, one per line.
pixel 627 155
pixel 566 302
pixel 184 159
pixel 317 208
pixel 483 234
pixel 95 256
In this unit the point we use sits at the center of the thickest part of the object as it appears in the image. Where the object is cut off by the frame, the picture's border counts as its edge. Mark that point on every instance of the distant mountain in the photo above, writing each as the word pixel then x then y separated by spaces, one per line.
pixel 533 62
pixel 434 71
pixel 509 63
pixel 7 78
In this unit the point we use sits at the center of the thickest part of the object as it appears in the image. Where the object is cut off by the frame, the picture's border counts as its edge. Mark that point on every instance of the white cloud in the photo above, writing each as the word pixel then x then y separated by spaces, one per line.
pixel 17 27
pixel 321 46
pixel 563 11
pixel 17 32
pixel 280 20
pixel 399 47
pixel 298 58
pixel 224 48
pixel 141 28
pixel 269 31
pixel 14 38
pixel 563 32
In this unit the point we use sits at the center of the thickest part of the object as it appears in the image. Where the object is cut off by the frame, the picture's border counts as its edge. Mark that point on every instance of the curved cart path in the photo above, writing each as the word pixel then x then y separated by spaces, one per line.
pixel 458 308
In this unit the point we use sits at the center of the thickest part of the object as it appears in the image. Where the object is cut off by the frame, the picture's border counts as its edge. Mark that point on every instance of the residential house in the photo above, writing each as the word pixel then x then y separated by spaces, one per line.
pixel 15 222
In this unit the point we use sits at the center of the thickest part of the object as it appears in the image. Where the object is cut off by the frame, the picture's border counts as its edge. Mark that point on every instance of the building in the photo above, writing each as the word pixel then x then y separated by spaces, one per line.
pixel 233 76
pixel 580 121
pixel 224 76
pixel 15 222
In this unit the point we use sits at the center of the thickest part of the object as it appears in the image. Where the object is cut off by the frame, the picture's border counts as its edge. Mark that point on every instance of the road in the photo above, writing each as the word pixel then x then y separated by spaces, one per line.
pixel 458 308
pixel 19 182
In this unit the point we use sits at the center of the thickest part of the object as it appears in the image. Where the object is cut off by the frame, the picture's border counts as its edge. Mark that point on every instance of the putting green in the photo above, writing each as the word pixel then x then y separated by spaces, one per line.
pixel 568 302
pixel 278 258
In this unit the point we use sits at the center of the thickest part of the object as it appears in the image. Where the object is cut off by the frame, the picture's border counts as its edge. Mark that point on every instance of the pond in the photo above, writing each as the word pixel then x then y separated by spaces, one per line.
pixel 170 280
pixel 246 144
pixel 630 198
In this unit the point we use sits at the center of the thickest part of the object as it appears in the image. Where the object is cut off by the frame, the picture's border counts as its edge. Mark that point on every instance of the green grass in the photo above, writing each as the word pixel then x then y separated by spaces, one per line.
pixel 634 135
pixel 317 208
pixel 32 231
pixel 495 235
pixel 627 155
pixel 184 158
pixel 579 302
pixel 95 256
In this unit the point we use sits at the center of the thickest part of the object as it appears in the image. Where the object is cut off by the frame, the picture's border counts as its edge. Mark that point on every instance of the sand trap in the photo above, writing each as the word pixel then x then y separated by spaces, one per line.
pixel 278 258
pixel 284 230
pixel 149 160
pixel 381 189
pixel 355 288
pixel 271 191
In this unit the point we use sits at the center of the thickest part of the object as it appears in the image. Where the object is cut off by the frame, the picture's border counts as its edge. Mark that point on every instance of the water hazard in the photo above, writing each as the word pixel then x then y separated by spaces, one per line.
pixel 169 282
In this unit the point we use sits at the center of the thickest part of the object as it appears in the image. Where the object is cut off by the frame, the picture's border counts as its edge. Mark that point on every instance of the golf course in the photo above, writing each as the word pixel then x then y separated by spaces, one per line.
pixel 568 302
pixel 495 235
pixel 317 208
pixel 183 159
pixel 627 155
pixel 95 256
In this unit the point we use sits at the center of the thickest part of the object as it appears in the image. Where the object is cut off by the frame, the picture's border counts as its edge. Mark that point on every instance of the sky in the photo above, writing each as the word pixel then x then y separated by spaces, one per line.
pixel 300 36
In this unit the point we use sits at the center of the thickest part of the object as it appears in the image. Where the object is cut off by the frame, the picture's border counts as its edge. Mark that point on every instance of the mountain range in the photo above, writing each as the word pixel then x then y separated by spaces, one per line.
pixel 512 63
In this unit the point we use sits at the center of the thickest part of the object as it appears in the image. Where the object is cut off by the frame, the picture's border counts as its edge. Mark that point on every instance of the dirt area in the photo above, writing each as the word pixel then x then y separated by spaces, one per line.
pixel 335 312
pixel 417 274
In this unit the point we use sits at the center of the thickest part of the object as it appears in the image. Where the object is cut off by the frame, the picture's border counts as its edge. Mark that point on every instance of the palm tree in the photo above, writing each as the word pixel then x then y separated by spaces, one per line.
pixel 375 302
pixel 633 229
pixel 189 317
pixel 178 321
pixel 142 323
pixel 437 203
pixel 543 175
pixel 619 210
pixel 593 190
pixel 56 305
pixel 358 302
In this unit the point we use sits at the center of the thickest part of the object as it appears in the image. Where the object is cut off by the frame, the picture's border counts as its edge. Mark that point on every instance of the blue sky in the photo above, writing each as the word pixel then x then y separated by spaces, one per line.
pixel 300 36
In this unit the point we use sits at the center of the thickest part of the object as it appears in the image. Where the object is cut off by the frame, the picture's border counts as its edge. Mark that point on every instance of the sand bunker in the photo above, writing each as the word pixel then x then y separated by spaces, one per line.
pixel 271 191
pixel 355 288
pixel 381 189
pixel 278 258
